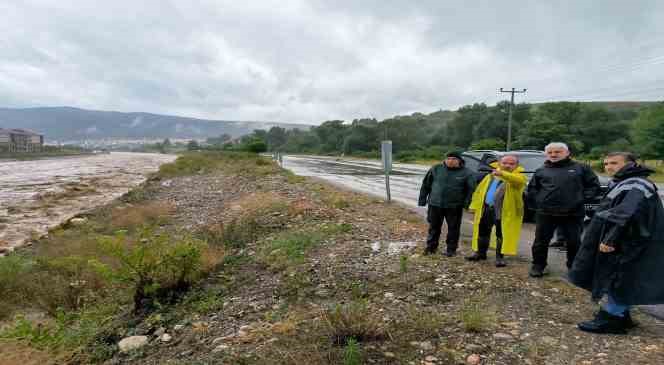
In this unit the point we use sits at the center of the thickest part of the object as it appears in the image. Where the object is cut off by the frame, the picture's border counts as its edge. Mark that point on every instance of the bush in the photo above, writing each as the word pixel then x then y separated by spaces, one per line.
pixel 256 147
pixel 158 266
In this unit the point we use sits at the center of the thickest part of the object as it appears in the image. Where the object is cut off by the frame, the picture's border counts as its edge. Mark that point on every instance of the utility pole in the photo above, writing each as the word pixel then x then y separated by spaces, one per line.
pixel 509 120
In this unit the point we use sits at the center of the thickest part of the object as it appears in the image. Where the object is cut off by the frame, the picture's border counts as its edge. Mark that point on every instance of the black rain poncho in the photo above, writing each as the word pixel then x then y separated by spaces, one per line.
pixel 631 218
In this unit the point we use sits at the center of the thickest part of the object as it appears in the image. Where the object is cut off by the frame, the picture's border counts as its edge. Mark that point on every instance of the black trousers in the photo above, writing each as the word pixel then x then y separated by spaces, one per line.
pixel 487 222
pixel 435 217
pixel 570 226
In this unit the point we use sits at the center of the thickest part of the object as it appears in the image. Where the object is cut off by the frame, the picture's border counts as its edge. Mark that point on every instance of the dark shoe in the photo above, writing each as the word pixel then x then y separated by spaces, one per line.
pixel 450 253
pixel 536 272
pixel 558 244
pixel 428 252
pixel 628 322
pixel 604 322
pixel 476 256
pixel 500 262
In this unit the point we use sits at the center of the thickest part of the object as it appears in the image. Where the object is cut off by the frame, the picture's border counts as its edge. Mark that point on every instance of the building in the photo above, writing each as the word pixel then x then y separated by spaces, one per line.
pixel 20 140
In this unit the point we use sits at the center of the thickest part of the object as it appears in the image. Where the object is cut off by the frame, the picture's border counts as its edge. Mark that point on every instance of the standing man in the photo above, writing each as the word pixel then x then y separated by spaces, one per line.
pixel 498 201
pixel 622 254
pixel 558 191
pixel 447 188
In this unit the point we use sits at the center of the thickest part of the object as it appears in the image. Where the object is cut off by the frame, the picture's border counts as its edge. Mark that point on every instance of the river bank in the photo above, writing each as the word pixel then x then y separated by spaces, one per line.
pixel 36 195
pixel 303 273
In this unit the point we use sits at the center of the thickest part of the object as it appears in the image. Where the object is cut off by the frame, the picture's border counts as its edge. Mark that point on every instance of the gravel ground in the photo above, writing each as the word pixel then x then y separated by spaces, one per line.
pixel 277 316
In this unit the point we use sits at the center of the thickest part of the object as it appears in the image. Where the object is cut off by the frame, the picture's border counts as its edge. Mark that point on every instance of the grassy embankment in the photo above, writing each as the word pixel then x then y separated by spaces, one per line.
pixel 75 293
pixel 284 276
pixel 67 293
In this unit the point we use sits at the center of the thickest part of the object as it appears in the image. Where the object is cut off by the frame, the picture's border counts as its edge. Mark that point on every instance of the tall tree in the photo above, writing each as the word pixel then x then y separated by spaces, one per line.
pixel 276 138
pixel 648 131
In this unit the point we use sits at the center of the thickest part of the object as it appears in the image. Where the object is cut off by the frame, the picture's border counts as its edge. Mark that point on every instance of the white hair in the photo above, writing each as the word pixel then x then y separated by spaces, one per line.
pixel 556 145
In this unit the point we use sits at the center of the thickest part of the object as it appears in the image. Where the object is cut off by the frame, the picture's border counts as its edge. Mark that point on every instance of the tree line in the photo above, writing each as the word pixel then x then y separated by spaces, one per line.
pixel 590 129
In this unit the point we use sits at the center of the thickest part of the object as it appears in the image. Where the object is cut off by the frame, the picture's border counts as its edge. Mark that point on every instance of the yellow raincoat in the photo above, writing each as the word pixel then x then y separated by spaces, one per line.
pixel 512 211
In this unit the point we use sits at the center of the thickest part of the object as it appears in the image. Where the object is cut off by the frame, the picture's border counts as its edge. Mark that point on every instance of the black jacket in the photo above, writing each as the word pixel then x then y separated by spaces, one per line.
pixel 447 188
pixel 562 188
pixel 631 219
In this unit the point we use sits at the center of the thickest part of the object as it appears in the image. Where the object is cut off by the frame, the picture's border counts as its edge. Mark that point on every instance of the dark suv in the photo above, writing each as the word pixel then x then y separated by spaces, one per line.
pixel 479 160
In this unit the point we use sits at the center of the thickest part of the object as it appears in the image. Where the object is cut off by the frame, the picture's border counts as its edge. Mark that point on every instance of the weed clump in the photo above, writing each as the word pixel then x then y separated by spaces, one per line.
pixel 353 321
pixel 477 315
pixel 352 353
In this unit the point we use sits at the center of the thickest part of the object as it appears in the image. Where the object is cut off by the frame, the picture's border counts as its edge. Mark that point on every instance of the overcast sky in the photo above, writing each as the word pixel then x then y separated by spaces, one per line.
pixel 311 61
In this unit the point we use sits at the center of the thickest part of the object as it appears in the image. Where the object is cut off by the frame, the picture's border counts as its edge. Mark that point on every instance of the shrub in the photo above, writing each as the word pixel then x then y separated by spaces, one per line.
pixel 66 283
pixel 13 271
pixel 158 266
pixel 256 147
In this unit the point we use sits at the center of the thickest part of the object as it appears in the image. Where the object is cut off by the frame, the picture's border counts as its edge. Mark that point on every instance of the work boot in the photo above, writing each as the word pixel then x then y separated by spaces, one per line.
pixel 476 256
pixel 500 259
pixel 482 248
pixel 429 251
pixel 450 253
pixel 536 272
pixel 604 322
pixel 628 322
pixel 558 244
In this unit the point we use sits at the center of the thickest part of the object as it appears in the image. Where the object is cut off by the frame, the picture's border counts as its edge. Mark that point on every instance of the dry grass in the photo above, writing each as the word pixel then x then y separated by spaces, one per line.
pixel 420 323
pixel 354 320
pixel 148 213
pixel 252 215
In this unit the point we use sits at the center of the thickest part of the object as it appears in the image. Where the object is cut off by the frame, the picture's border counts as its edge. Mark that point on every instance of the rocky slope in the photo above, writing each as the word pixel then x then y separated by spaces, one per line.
pixel 370 282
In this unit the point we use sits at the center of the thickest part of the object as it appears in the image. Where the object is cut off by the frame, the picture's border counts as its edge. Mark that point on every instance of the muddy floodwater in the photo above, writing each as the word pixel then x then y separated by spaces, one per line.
pixel 39 194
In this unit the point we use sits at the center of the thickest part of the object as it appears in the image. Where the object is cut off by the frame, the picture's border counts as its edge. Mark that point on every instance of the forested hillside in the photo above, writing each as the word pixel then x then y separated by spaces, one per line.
pixel 589 128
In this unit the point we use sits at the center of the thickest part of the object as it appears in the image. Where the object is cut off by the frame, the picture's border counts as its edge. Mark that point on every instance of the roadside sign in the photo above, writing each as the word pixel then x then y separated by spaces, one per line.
pixel 386 154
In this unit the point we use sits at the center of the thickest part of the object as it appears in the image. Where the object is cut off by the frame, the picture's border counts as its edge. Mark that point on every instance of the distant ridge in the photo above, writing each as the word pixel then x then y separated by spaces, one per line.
pixel 69 123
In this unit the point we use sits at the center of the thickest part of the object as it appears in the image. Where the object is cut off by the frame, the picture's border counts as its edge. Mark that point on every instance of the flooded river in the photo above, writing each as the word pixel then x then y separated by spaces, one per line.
pixel 38 194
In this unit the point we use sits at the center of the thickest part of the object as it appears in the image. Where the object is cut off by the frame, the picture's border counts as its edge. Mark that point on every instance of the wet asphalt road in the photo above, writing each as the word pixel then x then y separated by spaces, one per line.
pixel 405 180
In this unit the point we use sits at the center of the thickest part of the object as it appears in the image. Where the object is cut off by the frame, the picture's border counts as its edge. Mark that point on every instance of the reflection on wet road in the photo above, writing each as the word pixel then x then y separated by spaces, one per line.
pixel 362 176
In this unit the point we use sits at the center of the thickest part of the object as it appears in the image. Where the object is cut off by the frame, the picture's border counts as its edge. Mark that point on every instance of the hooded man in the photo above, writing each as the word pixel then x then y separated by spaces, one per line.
pixel 558 191
pixel 622 254
pixel 498 202
pixel 447 188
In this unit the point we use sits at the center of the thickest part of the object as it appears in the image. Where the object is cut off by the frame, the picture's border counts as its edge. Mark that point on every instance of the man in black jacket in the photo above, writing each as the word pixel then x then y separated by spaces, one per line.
pixel 447 188
pixel 558 191
pixel 622 254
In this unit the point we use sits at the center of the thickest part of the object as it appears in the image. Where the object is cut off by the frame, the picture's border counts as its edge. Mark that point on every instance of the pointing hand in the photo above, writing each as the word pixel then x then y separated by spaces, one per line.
pixel 606 248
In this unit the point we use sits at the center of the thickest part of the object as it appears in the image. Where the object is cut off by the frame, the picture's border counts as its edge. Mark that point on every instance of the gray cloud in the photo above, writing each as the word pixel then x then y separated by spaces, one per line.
pixel 310 61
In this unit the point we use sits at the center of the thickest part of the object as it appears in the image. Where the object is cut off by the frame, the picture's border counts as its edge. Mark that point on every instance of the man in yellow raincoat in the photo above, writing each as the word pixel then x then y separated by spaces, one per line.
pixel 498 202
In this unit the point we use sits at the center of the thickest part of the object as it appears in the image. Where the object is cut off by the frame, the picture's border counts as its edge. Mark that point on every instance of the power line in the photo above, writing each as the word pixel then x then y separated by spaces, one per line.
pixel 509 120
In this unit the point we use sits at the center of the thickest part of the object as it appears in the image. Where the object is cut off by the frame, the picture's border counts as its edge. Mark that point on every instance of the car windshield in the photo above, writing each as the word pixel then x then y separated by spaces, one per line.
pixel 532 162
